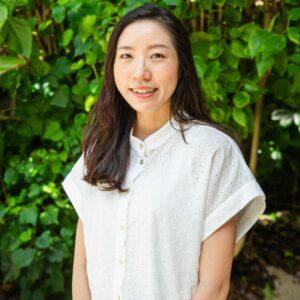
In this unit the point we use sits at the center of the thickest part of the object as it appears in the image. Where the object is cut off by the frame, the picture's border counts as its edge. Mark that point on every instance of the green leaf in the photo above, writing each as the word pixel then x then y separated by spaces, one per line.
pixel 217 114
pixel 20 37
pixel 294 14
pixel 200 65
pixel 58 13
pixel 45 24
pixel 239 116
pixel 215 50
pixel 219 3
pixel 61 67
pixel 172 2
pixel 86 27
pixel 241 99
pixel 44 240
pixel 77 65
pixel 250 86
pixel 295 58
pixel 11 176
pixel 23 257
pixel 61 96
pixel 67 37
pixel 213 70
pixel 2 211
pixel 256 41
pixel 25 236
pixel 3 14
pixel 89 102
pixel 239 49
pixel 235 33
pixel 53 131
pixel 273 44
pixel 8 63
pixel 28 215
pixel 294 34
pixel 282 89
pixel 264 65
pixel 50 215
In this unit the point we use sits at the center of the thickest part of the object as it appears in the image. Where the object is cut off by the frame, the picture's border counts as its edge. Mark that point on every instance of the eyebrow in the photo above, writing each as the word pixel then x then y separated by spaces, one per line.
pixel 150 47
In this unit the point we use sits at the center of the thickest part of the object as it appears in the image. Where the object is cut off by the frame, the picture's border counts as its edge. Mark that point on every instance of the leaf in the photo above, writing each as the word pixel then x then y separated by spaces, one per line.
pixel 89 102
pixel 28 215
pixel 11 176
pixel 264 65
pixel 294 34
pixel 250 86
pixel 296 121
pixel 20 37
pixel 50 215
pixel 295 58
pixel 58 13
pixel 8 63
pixel 273 44
pixel 23 257
pixel 241 99
pixel 2 211
pixel 3 14
pixel 86 27
pixel 282 89
pixel 213 70
pixel 25 236
pixel 256 41
pixel 238 49
pixel 234 33
pixel 215 50
pixel 219 3
pixel 61 67
pixel 172 2
pixel 44 240
pixel 67 37
pixel 294 14
pixel 53 131
pixel 61 97
pixel 200 65
pixel 77 65
pixel 239 116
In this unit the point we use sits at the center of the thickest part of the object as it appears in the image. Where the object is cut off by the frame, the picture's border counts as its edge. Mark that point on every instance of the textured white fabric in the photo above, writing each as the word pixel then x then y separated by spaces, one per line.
pixel 145 244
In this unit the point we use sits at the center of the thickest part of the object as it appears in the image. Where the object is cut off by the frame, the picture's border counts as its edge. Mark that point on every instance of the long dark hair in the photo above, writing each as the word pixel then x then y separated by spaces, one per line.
pixel 106 145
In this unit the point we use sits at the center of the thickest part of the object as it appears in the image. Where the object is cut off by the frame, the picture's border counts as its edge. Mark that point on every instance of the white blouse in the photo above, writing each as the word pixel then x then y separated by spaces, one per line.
pixel 145 244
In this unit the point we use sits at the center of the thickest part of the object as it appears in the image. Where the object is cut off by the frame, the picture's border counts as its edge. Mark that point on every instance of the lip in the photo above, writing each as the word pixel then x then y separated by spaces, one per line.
pixel 146 96
pixel 142 88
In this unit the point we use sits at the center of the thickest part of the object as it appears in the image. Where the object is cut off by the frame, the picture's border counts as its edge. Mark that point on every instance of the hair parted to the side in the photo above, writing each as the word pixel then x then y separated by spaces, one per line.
pixel 106 144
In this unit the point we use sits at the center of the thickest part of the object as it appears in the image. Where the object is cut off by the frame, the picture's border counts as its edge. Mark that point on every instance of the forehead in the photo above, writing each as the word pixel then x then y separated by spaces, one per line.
pixel 144 31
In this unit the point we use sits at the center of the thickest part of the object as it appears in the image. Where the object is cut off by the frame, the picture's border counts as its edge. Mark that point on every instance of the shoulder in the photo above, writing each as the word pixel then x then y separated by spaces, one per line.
pixel 208 137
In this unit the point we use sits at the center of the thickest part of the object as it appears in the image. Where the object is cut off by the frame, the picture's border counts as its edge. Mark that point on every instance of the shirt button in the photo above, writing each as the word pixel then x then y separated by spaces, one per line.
pixel 141 161
pixel 141 146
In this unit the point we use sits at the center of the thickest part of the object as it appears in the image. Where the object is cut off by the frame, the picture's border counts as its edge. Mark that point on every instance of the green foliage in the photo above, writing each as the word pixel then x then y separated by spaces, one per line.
pixel 51 69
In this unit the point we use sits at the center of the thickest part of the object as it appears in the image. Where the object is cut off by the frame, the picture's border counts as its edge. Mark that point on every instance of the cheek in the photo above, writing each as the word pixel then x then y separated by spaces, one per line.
pixel 120 75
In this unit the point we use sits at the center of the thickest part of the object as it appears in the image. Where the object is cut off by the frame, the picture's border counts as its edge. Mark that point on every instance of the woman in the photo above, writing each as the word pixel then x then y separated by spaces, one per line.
pixel 161 193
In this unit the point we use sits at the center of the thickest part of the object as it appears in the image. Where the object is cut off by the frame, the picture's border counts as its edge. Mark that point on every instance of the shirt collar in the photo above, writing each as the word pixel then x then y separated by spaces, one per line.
pixel 159 137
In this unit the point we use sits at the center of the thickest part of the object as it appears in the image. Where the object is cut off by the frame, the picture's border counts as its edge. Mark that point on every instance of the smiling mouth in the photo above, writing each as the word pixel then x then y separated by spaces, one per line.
pixel 144 92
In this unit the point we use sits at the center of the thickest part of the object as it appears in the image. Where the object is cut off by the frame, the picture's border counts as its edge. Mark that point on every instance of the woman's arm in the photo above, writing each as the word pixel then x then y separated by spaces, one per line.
pixel 216 263
pixel 80 286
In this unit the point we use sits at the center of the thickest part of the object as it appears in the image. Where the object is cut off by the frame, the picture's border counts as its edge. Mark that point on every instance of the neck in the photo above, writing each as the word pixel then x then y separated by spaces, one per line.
pixel 146 124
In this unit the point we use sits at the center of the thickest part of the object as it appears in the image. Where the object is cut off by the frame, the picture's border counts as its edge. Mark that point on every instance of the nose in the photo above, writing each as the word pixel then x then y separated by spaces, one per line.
pixel 141 70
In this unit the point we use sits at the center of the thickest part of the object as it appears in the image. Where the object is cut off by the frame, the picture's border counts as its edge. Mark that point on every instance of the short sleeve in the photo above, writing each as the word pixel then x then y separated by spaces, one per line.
pixel 232 190
pixel 75 186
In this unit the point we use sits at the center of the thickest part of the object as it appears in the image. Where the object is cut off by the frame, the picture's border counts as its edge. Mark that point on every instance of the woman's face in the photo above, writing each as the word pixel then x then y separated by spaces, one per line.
pixel 146 67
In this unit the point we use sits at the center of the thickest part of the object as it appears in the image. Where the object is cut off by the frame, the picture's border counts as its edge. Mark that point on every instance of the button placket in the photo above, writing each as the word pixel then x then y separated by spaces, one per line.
pixel 120 244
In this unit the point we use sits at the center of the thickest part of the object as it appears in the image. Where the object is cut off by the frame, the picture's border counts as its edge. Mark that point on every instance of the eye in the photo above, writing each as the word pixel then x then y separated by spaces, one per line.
pixel 125 55
pixel 157 55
